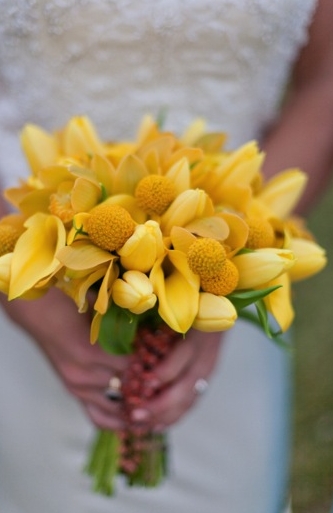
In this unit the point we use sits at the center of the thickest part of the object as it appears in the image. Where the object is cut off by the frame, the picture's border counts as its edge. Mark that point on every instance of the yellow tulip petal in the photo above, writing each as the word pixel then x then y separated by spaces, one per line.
pixel 181 239
pixel 143 248
pixel 283 191
pixel 261 266
pixel 35 252
pixel 213 227
pixel 185 208
pixel 134 292
pixel 279 303
pixel 40 148
pixel 216 313
pixel 310 259
pixel 82 255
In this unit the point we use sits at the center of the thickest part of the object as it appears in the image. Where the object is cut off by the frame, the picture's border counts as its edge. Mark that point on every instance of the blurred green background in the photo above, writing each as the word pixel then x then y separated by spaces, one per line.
pixel 312 458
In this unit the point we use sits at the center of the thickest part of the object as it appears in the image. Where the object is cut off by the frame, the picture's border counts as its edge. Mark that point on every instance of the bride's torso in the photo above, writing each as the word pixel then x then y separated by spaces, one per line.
pixel 114 60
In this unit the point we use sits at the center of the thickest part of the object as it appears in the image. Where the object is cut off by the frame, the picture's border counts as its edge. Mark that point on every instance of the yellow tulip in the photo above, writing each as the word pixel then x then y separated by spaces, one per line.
pixel 35 252
pixel 143 248
pixel 177 291
pixel 134 292
pixel 188 206
pixel 310 259
pixel 261 266
pixel 216 313
pixel 283 191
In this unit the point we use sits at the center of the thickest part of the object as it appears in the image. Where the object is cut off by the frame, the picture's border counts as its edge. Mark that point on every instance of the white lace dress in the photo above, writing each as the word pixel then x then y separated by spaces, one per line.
pixel 226 60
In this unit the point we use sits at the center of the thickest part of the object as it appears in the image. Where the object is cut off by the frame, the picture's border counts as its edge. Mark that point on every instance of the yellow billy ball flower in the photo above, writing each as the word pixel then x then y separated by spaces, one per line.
pixel 224 282
pixel 8 238
pixel 206 257
pixel 109 226
pixel 261 234
pixel 154 193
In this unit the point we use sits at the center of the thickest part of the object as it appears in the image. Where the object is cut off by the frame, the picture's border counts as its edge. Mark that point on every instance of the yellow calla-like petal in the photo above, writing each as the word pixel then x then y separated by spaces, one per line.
pixel 185 208
pixel 216 313
pixel 261 266
pixel 310 259
pixel 196 130
pixel 80 137
pixel 35 201
pixel 104 293
pixel 35 252
pixel 82 255
pixel 85 195
pixel 52 176
pixel 76 286
pixel 104 171
pixel 134 292
pixel 130 204
pixel 143 248
pixel 238 231
pixel 178 296
pixel 283 191
pixel 95 327
pixel 179 173
pixel 128 174
pixel 278 302
pixel 40 148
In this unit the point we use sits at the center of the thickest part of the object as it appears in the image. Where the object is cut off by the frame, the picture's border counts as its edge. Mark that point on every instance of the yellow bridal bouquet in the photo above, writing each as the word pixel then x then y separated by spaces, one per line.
pixel 170 233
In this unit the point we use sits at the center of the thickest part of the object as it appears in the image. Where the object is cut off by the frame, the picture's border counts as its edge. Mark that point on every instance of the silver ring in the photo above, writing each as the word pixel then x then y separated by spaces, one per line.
pixel 200 386
pixel 113 390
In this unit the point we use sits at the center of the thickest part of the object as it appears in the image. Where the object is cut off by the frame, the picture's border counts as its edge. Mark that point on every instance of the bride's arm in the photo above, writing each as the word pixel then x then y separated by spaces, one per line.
pixel 303 135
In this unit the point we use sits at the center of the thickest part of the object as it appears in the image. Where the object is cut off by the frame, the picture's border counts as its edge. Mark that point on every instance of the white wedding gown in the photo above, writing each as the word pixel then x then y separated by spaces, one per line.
pixel 114 60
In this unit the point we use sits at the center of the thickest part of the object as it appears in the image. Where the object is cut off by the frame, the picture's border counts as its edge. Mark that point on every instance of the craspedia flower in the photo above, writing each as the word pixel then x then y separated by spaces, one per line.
pixel 261 234
pixel 109 226
pixel 206 257
pixel 154 193
pixel 224 282
pixel 8 238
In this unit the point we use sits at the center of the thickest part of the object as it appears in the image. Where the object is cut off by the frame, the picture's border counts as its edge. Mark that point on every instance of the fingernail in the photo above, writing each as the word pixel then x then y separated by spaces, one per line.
pixel 140 415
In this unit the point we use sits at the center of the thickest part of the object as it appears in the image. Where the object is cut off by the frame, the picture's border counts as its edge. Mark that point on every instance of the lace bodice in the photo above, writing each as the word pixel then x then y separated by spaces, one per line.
pixel 226 60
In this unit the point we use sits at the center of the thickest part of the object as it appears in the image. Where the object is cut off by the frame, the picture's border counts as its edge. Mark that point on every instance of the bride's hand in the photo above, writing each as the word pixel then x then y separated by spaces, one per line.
pixel 181 375
pixel 63 335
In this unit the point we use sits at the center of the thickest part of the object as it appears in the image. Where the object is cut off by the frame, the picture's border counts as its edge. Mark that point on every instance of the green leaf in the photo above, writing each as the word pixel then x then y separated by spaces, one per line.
pixel 261 320
pixel 118 330
pixel 245 298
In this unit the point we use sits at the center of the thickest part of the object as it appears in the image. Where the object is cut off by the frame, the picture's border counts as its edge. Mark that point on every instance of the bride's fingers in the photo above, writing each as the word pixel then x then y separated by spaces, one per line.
pixel 184 354
pixel 171 404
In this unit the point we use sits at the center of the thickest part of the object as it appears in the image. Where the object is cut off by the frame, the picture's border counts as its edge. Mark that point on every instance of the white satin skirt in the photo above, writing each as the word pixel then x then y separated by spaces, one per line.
pixel 229 455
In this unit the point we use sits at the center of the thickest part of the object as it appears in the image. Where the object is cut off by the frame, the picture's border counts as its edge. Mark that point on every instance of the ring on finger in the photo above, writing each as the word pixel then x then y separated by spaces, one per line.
pixel 200 386
pixel 113 390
